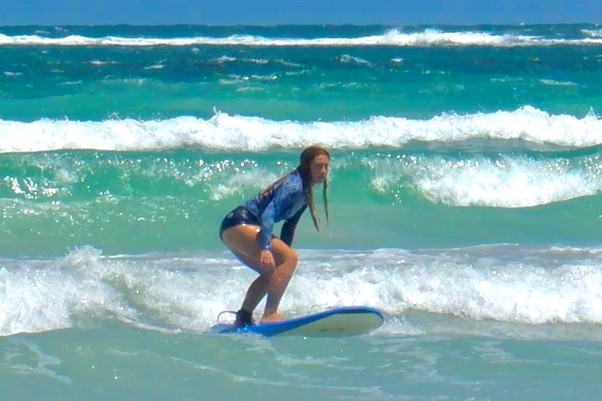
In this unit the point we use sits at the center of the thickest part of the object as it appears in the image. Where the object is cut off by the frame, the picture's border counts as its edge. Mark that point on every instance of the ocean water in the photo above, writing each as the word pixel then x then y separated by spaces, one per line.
pixel 465 198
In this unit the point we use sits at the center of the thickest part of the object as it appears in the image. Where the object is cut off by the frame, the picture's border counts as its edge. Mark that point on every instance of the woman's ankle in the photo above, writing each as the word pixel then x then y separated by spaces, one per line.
pixel 244 318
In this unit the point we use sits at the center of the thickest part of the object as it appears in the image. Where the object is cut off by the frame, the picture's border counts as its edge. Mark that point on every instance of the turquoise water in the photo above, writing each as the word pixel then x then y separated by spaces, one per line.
pixel 465 199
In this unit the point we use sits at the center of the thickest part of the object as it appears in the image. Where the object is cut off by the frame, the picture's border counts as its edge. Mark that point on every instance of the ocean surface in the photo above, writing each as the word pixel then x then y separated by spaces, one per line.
pixel 465 198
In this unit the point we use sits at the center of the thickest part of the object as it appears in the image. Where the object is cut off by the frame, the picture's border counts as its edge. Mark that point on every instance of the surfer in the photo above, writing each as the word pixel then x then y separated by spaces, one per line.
pixel 247 232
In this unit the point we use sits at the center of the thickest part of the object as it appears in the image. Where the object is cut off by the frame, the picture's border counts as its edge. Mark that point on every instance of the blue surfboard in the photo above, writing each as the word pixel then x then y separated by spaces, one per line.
pixel 337 322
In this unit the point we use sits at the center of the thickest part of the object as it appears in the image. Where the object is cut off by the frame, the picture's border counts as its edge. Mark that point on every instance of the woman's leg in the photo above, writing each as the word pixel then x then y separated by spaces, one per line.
pixel 245 243
pixel 258 287
pixel 285 267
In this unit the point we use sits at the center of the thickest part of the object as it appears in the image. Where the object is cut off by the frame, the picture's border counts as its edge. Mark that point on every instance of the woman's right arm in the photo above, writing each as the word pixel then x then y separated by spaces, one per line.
pixel 267 228
pixel 284 197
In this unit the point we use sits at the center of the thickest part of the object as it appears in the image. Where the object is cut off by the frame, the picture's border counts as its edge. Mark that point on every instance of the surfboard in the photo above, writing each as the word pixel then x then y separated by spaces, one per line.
pixel 336 322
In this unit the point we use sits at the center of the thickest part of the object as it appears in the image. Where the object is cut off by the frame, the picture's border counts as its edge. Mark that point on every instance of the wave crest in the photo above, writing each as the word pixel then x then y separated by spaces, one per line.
pixel 254 134
pixel 394 37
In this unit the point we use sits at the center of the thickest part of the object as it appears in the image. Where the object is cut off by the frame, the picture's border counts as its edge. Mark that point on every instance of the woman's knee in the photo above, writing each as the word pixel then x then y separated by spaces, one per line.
pixel 294 257
pixel 291 257
pixel 285 255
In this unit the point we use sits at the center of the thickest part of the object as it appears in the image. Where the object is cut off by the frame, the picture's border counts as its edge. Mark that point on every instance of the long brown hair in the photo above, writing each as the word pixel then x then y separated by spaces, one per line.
pixel 304 169
pixel 307 156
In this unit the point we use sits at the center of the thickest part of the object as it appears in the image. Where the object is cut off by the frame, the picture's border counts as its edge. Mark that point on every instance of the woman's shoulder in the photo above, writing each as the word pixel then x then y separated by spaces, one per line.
pixel 291 186
pixel 293 182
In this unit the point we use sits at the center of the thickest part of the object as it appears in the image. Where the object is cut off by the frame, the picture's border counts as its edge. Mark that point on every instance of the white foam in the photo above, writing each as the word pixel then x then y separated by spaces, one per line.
pixel 155 67
pixel 597 33
pixel 224 59
pixel 250 89
pixel 225 132
pixel 34 299
pixel 557 83
pixel 429 37
pixel 345 58
pixel 69 83
pixel 288 63
pixel 509 182
pixel 234 80
pixel 179 291
pixel 257 61
pixel 242 182
pixel 479 288
pixel 100 63
pixel 264 77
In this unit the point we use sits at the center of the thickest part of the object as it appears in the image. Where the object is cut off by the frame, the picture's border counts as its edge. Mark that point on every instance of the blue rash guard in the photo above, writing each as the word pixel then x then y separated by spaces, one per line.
pixel 285 201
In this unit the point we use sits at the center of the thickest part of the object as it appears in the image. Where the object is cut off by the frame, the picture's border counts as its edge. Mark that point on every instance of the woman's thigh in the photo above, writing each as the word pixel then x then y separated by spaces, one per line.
pixel 244 241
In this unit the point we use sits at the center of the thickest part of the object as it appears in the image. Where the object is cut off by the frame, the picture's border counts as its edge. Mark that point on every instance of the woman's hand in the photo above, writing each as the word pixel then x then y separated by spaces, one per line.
pixel 267 260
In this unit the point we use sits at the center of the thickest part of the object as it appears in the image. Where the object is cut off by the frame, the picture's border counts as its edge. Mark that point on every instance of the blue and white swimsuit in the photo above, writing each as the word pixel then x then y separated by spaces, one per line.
pixel 285 201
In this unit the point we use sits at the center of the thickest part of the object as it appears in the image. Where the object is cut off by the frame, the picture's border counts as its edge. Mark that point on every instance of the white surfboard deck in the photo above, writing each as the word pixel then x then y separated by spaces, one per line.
pixel 337 322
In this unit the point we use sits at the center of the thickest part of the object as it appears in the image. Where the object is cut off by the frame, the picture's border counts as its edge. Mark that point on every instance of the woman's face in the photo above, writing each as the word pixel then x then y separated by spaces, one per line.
pixel 319 169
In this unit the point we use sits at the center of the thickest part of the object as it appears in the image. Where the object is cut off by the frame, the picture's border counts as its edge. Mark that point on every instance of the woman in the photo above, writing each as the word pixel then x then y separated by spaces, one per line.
pixel 247 231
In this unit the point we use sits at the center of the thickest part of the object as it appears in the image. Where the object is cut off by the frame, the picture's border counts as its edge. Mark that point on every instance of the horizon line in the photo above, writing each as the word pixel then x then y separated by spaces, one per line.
pixel 309 24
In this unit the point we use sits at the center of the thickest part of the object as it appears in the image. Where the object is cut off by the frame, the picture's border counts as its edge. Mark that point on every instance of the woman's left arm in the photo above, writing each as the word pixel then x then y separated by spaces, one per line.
pixel 288 228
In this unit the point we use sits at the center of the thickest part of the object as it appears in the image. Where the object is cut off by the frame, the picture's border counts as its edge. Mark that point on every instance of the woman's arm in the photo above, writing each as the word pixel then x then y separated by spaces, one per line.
pixel 286 196
pixel 288 228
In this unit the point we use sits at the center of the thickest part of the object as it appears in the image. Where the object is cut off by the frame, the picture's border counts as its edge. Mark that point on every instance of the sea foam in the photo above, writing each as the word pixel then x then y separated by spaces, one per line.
pixel 508 182
pixel 178 291
pixel 394 37
pixel 254 134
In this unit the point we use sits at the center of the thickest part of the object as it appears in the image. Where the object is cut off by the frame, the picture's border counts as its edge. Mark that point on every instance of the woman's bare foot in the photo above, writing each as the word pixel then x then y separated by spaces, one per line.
pixel 273 318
